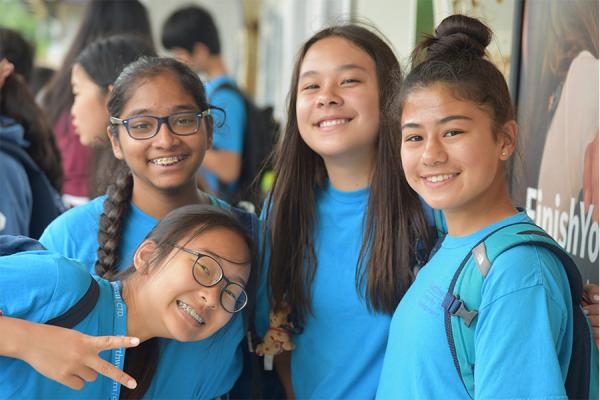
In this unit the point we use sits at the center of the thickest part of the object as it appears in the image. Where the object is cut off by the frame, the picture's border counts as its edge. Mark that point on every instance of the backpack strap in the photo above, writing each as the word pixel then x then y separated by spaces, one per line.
pixel 463 299
pixel 80 310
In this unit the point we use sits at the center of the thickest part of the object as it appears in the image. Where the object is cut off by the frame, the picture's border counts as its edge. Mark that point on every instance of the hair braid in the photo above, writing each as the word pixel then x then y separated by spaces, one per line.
pixel 116 206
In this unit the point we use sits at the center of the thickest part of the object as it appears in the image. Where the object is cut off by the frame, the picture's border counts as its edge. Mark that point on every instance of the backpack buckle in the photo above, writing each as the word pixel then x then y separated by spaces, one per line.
pixel 456 307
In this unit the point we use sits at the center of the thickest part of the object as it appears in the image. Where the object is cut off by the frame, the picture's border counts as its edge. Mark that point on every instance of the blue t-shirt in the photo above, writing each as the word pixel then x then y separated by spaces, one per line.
pixel 339 354
pixel 203 369
pixel 41 285
pixel 229 128
pixel 523 336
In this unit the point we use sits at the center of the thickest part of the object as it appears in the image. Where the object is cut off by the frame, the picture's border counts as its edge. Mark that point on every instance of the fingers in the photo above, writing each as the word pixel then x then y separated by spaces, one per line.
pixel 88 374
pixel 73 381
pixel 6 68
pixel 591 293
pixel 114 342
pixel 110 371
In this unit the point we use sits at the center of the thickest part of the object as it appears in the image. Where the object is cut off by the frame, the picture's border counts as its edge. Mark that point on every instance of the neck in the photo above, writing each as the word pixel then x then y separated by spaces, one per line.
pixel 137 317
pixel 158 203
pixel 350 174
pixel 474 217
pixel 215 67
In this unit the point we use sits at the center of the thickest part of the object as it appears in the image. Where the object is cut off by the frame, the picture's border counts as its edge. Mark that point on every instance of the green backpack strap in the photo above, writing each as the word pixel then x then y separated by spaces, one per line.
pixel 462 301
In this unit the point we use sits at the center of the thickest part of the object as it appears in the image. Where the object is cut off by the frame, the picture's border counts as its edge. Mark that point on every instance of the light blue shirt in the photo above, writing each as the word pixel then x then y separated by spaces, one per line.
pixel 229 128
pixel 523 336
pixel 203 369
pixel 41 285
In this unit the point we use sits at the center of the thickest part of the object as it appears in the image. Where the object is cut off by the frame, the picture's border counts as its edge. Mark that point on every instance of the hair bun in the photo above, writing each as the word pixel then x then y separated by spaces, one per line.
pixel 460 34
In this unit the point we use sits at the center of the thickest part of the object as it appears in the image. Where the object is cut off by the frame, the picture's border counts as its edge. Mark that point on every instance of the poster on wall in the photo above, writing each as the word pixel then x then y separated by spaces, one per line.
pixel 556 175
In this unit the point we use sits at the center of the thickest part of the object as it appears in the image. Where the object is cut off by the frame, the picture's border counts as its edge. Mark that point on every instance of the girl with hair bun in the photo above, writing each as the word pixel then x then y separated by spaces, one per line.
pixel 458 134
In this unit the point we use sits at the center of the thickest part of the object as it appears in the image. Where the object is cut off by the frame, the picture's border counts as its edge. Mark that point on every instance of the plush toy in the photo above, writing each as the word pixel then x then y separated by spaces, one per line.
pixel 278 337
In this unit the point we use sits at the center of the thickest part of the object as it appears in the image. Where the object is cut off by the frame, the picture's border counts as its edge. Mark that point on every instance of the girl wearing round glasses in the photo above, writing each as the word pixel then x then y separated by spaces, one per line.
pixel 160 177
pixel 186 280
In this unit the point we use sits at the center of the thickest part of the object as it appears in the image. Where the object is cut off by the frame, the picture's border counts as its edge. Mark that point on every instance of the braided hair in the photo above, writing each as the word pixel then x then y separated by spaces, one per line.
pixel 117 203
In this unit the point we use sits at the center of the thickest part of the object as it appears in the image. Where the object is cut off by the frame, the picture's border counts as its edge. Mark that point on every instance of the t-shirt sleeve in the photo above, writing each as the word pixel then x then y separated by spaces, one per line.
pixel 16 198
pixel 523 335
pixel 229 130
pixel 40 285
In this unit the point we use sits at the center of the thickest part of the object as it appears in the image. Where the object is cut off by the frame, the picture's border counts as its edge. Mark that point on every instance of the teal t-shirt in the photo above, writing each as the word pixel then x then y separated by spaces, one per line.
pixel 38 286
pixel 523 336
pixel 201 370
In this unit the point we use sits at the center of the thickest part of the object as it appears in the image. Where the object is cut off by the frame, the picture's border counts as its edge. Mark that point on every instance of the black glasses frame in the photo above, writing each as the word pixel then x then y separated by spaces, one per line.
pixel 161 120
pixel 200 254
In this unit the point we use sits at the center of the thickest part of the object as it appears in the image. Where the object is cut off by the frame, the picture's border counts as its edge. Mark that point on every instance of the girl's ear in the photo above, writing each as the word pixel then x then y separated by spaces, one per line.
pixel 508 139
pixel 114 142
pixel 108 92
pixel 143 255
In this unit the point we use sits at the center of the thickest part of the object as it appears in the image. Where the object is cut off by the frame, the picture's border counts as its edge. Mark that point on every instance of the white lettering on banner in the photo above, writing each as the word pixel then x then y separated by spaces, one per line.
pixel 575 230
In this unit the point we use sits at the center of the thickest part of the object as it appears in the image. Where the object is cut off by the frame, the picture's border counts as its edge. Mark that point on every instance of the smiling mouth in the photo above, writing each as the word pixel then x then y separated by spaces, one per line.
pixel 333 122
pixel 167 161
pixel 190 311
pixel 439 178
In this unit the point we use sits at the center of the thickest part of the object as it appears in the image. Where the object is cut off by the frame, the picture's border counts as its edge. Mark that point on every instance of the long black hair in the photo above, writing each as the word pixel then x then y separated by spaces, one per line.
pixel 395 218
pixel 17 102
pixel 103 60
pixel 101 18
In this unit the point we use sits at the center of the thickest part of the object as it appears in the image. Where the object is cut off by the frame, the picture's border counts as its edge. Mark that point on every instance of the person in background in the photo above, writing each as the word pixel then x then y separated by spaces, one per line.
pixel 30 165
pixel 93 74
pixel 191 35
pixel 100 18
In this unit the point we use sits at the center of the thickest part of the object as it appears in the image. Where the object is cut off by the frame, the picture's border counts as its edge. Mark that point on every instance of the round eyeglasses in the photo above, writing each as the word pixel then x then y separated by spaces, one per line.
pixel 147 126
pixel 208 272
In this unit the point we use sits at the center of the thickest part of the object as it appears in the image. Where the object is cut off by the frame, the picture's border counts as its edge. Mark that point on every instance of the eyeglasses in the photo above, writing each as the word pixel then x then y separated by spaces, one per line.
pixel 208 272
pixel 147 126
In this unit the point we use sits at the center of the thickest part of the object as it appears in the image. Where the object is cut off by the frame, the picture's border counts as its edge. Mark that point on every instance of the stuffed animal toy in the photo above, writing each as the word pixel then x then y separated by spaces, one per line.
pixel 278 337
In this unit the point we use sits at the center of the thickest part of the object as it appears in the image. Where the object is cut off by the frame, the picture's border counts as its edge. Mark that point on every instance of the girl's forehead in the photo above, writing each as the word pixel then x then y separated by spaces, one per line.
pixel 158 93
pixel 335 52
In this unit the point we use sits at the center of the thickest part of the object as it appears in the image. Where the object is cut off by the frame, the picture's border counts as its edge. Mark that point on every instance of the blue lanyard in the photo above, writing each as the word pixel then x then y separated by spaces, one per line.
pixel 118 355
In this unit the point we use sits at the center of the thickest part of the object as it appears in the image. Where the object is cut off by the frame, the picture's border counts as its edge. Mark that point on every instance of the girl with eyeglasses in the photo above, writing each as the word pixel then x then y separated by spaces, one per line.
pixel 185 283
pixel 161 129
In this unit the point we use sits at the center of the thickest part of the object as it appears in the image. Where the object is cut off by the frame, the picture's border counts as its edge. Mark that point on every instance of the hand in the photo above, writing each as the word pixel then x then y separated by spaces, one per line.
pixel 590 307
pixel 68 356
pixel 590 176
pixel 6 68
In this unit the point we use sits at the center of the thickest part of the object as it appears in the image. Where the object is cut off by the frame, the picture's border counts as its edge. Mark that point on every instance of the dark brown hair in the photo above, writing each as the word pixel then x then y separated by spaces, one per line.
pixel 18 103
pixel 455 56
pixel 395 218
pixel 118 198
pixel 187 222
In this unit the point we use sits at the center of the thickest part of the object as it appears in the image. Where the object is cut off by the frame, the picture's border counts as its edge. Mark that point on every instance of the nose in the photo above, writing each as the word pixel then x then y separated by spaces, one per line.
pixel 434 152
pixel 210 297
pixel 164 137
pixel 329 97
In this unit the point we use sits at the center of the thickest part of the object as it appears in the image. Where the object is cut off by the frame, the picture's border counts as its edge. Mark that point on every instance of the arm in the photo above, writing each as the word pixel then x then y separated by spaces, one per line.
pixel 64 355
pixel 590 307
pixel 282 363
pixel 226 165
pixel 524 331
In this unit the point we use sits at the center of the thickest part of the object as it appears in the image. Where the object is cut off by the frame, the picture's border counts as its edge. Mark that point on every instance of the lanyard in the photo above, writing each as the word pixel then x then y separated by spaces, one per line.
pixel 118 355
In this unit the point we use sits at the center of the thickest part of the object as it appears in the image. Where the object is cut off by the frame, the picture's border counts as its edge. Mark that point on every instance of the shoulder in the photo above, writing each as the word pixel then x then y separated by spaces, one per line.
pixel 39 285
pixel 527 266
pixel 77 224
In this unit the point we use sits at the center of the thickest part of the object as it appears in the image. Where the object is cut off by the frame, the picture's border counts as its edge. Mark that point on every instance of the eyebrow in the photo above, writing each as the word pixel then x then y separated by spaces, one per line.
pixel 440 122
pixel 145 111
pixel 345 67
